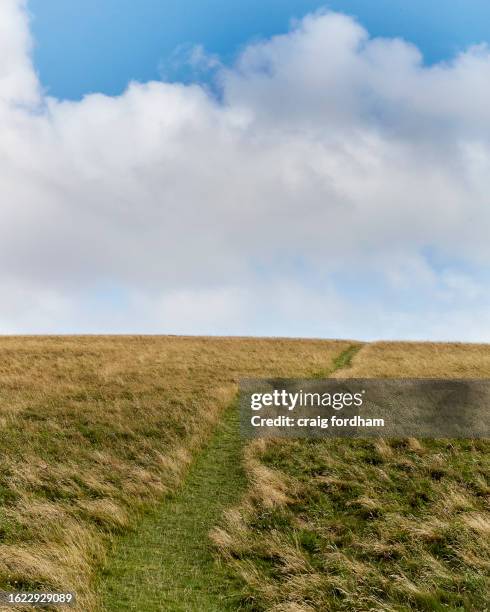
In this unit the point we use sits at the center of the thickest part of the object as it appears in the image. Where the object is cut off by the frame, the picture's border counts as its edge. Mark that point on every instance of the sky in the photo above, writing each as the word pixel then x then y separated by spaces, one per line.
pixel 100 45
pixel 282 168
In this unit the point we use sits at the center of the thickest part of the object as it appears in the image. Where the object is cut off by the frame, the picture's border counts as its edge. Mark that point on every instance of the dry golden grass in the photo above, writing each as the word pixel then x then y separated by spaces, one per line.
pixel 420 360
pixel 392 525
pixel 94 428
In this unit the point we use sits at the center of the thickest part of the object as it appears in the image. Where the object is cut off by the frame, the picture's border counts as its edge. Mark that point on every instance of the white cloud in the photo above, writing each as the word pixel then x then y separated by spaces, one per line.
pixel 336 169
pixel 18 82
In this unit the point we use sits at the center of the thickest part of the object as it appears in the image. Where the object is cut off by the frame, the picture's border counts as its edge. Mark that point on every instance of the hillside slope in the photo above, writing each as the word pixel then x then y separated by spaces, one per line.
pixel 93 429
pixel 359 525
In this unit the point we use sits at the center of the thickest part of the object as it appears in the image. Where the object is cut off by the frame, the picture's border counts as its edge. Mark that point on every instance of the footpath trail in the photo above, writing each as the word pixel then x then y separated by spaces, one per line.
pixel 167 564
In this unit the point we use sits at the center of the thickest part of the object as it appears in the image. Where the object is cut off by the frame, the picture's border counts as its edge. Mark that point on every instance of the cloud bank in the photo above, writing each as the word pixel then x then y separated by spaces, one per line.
pixel 336 186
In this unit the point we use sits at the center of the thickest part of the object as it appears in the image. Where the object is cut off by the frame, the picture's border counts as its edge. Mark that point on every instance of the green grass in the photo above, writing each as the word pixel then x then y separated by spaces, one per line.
pixel 343 360
pixel 95 429
pixel 167 563
pixel 374 525
pixel 360 525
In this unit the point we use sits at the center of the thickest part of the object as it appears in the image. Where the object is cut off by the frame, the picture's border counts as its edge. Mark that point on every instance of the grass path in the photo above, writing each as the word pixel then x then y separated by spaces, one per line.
pixel 167 564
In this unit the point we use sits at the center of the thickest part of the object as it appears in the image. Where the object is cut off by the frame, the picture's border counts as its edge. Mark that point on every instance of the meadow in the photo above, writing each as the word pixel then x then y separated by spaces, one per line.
pixel 94 430
pixel 391 525
pixel 104 440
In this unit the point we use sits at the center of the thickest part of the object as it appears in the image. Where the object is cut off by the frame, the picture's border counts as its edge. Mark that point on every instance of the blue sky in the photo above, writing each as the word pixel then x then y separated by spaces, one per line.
pixel 99 45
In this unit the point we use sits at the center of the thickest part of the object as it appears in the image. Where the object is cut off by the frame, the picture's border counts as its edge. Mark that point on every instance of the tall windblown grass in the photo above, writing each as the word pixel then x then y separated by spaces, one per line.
pixel 92 429
pixel 360 525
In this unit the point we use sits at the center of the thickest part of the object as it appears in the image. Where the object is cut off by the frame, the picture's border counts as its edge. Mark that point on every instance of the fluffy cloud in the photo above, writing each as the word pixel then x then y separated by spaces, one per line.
pixel 336 186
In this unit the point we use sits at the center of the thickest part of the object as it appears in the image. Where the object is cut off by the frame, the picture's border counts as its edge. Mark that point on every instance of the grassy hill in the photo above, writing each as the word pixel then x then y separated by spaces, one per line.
pixel 363 525
pixel 103 439
pixel 93 429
